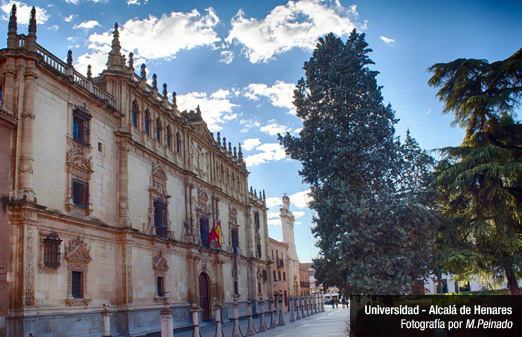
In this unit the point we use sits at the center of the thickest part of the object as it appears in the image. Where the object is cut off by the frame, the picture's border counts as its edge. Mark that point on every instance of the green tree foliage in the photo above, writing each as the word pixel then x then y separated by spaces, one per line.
pixel 480 181
pixel 373 226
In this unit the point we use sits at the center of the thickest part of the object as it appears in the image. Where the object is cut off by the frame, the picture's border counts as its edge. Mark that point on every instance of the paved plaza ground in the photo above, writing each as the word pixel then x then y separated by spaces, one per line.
pixel 331 323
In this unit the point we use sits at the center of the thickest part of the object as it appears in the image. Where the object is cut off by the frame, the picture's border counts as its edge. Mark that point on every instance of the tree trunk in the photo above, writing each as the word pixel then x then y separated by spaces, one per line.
pixel 512 280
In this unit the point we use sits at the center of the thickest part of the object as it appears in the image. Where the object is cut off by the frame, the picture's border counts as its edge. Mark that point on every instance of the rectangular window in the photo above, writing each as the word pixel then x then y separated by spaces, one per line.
pixel 77 284
pixel 80 193
pixel 81 120
pixel 51 246
pixel 160 281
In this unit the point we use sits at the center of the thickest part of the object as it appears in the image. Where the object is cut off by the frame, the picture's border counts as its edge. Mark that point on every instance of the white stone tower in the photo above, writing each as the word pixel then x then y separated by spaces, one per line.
pixel 287 223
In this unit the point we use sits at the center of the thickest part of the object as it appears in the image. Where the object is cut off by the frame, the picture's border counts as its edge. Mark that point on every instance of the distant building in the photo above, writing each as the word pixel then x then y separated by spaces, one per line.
pixel 279 257
pixel 112 195
pixel 304 281
pixel 312 281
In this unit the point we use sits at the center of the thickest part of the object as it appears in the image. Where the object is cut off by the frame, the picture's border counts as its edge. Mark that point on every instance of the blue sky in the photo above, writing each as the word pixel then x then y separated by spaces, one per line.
pixel 240 60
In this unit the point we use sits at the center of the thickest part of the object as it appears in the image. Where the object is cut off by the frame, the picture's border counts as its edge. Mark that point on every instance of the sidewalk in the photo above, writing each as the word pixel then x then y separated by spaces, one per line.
pixel 331 323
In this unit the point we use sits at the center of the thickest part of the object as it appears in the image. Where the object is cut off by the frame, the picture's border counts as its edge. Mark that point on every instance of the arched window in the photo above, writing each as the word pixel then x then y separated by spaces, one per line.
pixel 158 130
pixel 169 138
pixel 178 143
pixel 135 112
pixel 147 122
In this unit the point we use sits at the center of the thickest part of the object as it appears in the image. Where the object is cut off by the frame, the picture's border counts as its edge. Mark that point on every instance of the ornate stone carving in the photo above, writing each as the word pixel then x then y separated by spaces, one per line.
pixel 160 265
pixel 159 179
pixel 77 254
pixel 30 264
pixel 232 216
pixel 78 155
pixel 203 208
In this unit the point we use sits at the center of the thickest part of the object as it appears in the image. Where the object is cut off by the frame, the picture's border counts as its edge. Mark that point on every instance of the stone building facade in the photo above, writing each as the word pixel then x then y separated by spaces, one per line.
pixel 279 257
pixel 109 195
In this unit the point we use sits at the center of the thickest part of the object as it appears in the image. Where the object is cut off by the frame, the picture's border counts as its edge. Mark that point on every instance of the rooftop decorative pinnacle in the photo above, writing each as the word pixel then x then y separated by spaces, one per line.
pixel 32 22
pixel 116 61
pixel 12 32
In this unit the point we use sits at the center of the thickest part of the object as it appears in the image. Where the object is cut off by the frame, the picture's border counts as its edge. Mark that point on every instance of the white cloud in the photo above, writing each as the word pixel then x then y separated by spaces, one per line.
pixel 249 144
pixel 300 199
pixel 227 56
pixel 137 2
pixel 273 201
pixel 280 94
pixel 428 112
pixel 297 24
pixel 274 128
pixel 23 13
pixel 75 2
pixel 269 152
pixel 158 38
pixel 87 25
pixel 248 124
pixel 298 214
pixel 274 222
pixel 215 108
pixel 53 27
pixel 386 39
pixel 70 18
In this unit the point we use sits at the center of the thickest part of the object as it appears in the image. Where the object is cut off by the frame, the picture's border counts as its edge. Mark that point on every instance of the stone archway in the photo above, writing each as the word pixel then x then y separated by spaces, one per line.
pixel 204 296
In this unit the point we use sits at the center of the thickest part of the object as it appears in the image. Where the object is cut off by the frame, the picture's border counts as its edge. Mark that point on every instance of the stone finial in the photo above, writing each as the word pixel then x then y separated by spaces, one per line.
pixel 264 197
pixel 154 81
pixel 131 60
pixel 32 22
pixel 229 147
pixel 12 19
pixel 174 99
pixel 116 60
pixel 219 137
pixel 225 142
pixel 143 73
pixel 251 190
pixel 240 153
pixel 235 152
pixel 89 72
pixel 165 92
pixel 255 192
pixel 69 58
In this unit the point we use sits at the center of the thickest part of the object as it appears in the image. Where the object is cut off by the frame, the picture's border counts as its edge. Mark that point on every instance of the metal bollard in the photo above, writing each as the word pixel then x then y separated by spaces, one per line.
pixel 322 301
pixel 315 303
pixel 281 317
pixel 194 309
pixel 250 331
pixel 307 298
pixel 235 311
pixel 262 318
pixel 218 319
pixel 106 314
pixel 271 309
pixel 291 308
pixel 167 326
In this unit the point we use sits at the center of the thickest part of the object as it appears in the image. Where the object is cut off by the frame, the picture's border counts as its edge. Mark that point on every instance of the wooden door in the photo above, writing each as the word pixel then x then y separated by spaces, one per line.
pixel 204 296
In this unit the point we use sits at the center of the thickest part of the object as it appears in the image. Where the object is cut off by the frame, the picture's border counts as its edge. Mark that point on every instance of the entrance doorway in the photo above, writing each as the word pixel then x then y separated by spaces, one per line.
pixel 204 296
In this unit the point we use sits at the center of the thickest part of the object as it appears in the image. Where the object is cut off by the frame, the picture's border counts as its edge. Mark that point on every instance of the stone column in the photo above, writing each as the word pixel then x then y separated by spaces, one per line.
pixel 291 308
pixel 194 310
pixel 167 324
pixel 123 180
pixel 322 301
pixel 219 331
pixel 307 305
pixel 235 313
pixel 297 307
pixel 25 190
pixel 314 296
pixel 106 314
pixel 250 331
pixel 271 309
pixel 262 317
pixel 281 317
pixel 302 306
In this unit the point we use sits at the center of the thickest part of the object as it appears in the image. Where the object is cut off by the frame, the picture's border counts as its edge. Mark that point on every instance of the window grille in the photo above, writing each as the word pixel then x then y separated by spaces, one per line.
pixel 81 118
pixel 160 217
pixel 147 123
pixel 235 239
pixel 169 138
pixel 51 246
pixel 134 114
pixel 80 193
pixel 160 281
pixel 204 231
pixel 77 284
pixel 158 130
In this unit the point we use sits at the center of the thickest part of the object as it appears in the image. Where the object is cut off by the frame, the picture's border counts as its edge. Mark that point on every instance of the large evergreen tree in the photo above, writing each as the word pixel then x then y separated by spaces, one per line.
pixel 480 181
pixel 373 225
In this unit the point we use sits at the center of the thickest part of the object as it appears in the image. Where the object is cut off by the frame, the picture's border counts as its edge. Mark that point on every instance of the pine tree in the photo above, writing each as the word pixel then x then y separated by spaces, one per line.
pixel 373 228
pixel 480 181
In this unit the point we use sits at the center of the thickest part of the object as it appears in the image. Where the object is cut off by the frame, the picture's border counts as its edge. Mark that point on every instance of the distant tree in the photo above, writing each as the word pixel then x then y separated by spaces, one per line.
pixel 373 226
pixel 480 181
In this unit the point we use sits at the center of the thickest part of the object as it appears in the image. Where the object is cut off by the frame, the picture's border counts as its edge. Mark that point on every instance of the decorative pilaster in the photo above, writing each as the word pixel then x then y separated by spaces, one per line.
pixel 123 180
pixel 25 190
